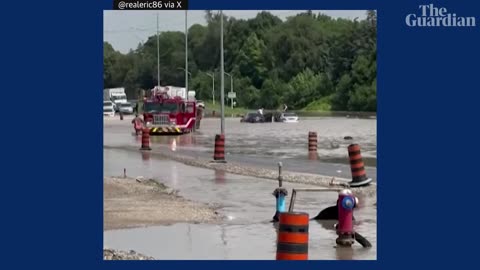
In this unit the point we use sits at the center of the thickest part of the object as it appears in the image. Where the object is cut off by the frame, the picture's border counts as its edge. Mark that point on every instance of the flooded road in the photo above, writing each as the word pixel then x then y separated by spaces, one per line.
pixel 247 202
pixel 263 145
pixel 290 140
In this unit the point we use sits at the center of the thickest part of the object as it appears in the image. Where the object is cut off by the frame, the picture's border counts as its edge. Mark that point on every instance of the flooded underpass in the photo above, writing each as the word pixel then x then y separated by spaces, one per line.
pixel 246 202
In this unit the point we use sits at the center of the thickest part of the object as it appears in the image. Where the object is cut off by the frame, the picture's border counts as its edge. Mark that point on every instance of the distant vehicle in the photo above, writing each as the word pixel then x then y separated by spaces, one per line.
pixel 115 95
pixel 289 118
pixel 109 112
pixel 108 105
pixel 253 117
pixel 125 108
pixel 108 109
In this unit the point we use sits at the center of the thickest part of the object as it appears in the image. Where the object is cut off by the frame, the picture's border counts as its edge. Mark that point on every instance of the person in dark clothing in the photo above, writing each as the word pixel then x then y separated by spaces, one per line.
pixel 328 213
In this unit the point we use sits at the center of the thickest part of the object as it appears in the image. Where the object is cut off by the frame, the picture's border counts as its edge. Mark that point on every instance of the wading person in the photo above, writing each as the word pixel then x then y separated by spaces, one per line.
pixel 137 124
pixel 135 110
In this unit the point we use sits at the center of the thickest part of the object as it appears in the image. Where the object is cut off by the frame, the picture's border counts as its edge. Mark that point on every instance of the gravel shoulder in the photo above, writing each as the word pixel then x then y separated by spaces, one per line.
pixel 130 203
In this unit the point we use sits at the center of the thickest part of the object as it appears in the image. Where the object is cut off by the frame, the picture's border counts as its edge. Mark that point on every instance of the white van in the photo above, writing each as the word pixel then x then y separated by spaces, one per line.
pixel 116 95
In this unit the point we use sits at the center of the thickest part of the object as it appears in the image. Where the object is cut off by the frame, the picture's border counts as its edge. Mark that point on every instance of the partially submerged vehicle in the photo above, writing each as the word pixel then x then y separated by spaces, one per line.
pixel 269 117
pixel 288 117
pixel 253 117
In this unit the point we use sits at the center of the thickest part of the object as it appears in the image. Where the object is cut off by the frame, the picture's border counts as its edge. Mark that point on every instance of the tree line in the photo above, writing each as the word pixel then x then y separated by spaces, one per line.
pixel 309 61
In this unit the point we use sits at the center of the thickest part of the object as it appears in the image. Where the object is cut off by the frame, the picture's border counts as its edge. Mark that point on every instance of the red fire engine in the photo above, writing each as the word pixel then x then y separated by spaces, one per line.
pixel 167 113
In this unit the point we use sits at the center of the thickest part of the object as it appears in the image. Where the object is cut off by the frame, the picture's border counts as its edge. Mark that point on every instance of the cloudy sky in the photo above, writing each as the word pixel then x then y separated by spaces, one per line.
pixel 126 29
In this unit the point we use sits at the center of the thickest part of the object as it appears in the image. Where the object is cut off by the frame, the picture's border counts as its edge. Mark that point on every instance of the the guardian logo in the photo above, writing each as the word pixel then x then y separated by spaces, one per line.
pixel 431 16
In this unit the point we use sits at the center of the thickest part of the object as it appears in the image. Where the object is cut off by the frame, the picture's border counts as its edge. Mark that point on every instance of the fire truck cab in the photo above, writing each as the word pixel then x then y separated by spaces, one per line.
pixel 164 114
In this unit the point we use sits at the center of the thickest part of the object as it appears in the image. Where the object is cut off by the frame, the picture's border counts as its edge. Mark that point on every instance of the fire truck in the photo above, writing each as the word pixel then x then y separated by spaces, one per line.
pixel 169 111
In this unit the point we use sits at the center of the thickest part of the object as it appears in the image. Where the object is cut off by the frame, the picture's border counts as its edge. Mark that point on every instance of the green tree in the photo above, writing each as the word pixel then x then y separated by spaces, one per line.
pixel 109 59
pixel 302 89
pixel 363 98
pixel 270 96
pixel 250 60
pixel 342 93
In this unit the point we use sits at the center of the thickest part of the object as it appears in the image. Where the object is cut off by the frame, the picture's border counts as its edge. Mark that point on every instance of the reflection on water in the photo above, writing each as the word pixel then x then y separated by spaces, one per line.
pixel 312 156
pixel 145 155
pixel 344 253
pixel 219 176
pixel 180 140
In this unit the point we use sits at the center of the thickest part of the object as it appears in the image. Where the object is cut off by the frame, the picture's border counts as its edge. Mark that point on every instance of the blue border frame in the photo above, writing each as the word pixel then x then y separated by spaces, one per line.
pixel 427 129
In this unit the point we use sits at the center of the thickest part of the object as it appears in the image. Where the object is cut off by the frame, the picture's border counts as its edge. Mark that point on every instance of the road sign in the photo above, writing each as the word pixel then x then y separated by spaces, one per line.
pixel 232 95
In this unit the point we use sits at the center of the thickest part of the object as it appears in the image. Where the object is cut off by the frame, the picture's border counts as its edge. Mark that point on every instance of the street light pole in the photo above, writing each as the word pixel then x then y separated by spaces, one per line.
pixel 186 54
pixel 158 56
pixel 222 85
pixel 213 86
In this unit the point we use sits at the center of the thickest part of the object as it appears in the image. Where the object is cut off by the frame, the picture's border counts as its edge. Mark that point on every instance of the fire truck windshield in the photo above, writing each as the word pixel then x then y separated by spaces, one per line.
pixel 160 107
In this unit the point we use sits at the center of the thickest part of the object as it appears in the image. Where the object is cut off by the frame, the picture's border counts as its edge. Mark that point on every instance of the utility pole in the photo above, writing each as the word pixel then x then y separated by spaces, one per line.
pixel 158 56
pixel 186 53
pixel 222 85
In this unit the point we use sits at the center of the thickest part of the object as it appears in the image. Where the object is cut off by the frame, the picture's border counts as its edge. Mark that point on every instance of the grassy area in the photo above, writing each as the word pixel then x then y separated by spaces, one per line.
pixel 228 109
pixel 321 105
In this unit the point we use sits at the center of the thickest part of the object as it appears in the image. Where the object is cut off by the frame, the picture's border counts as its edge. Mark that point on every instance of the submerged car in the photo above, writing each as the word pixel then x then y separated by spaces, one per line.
pixel 289 118
pixel 253 118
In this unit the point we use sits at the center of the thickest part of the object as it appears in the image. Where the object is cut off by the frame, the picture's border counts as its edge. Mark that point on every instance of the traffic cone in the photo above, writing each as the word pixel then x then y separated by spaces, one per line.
pixel 359 176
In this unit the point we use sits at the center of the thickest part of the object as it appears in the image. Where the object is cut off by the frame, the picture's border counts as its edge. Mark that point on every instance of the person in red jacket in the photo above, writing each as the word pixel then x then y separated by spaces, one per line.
pixel 137 124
